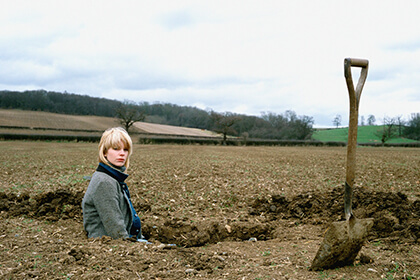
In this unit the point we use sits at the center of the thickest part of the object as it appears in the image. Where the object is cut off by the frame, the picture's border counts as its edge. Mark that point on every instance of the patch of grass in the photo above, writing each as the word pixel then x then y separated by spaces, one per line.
pixel 266 253
pixel 327 275
pixel 397 269
pixel 377 243
pixel 20 187
pixel 365 134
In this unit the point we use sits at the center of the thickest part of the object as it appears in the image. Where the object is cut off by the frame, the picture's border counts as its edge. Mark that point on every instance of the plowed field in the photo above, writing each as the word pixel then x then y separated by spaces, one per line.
pixel 232 212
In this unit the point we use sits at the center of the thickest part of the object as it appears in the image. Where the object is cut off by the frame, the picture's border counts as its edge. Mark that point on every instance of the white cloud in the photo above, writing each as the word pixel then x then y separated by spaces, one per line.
pixel 239 56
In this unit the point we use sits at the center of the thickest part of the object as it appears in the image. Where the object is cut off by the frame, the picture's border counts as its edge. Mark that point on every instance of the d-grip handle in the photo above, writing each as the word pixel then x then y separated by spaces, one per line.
pixel 356 62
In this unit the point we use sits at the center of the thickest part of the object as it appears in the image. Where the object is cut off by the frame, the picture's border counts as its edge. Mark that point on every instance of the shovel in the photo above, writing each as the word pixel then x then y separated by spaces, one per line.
pixel 343 240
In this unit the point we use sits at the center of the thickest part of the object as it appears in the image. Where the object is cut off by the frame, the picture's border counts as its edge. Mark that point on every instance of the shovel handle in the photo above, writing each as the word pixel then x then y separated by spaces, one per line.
pixel 354 96
pixel 357 62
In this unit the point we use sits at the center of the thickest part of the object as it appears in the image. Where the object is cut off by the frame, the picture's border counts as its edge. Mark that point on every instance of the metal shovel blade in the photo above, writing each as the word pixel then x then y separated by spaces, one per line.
pixel 342 242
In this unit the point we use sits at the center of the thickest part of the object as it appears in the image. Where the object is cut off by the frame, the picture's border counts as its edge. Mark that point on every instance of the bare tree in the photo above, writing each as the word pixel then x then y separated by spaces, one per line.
pixel 371 120
pixel 337 121
pixel 388 130
pixel 399 121
pixel 223 122
pixel 128 113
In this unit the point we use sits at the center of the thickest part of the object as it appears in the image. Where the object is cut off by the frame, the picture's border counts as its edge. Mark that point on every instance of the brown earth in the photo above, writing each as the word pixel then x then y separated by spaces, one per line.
pixel 233 212
pixel 36 119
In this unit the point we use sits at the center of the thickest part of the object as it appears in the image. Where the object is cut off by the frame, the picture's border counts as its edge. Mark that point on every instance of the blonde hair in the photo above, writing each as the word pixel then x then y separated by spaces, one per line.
pixel 112 137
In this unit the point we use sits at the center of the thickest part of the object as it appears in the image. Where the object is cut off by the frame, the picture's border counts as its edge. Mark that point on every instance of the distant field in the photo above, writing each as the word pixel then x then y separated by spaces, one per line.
pixel 18 122
pixel 33 122
pixel 366 134
pixel 34 119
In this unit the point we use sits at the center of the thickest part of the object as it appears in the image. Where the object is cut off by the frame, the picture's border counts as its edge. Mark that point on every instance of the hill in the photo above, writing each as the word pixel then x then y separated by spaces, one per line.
pixel 366 134
pixel 286 126
pixel 34 122
pixel 83 113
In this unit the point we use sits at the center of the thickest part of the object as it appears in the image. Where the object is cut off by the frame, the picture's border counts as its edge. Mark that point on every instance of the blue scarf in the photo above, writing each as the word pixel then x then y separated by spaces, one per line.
pixel 120 176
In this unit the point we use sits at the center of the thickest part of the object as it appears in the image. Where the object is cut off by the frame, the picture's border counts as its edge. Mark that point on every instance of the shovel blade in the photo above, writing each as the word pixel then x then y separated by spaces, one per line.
pixel 342 243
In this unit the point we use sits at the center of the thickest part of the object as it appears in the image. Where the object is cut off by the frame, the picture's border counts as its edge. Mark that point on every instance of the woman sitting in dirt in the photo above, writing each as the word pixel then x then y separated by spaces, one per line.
pixel 107 207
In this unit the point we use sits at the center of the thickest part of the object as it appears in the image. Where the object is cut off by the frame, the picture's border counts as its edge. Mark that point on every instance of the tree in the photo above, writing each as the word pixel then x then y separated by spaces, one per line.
pixel 278 124
pixel 399 121
pixel 223 122
pixel 128 113
pixel 56 102
pixel 245 136
pixel 362 121
pixel 371 120
pixel 276 121
pixel 388 130
pixel 288 126
pixel 412 130
pixel 301 128
pixel 337 121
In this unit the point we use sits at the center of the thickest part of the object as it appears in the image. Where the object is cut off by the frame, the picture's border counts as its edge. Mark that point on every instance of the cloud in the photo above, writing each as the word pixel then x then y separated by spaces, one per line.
pixel 177 19
pixel 238 56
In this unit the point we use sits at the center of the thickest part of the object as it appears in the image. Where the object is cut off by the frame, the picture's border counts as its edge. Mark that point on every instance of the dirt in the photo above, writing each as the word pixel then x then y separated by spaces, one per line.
pixel 209 212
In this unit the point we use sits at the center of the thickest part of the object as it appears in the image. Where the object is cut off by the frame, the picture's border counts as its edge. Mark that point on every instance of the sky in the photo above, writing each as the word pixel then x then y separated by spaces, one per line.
pixel 240 56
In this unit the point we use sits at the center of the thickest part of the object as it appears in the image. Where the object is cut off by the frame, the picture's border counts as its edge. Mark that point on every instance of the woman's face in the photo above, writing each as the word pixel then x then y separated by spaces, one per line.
pixel 117 155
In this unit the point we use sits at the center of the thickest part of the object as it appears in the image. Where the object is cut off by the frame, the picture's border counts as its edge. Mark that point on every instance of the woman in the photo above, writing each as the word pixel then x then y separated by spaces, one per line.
pixel 107 208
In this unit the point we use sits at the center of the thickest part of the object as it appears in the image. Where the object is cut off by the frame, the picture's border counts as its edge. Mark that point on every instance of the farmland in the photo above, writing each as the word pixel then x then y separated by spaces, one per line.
pixel 44 123
pixel 210 201
pixel 19 124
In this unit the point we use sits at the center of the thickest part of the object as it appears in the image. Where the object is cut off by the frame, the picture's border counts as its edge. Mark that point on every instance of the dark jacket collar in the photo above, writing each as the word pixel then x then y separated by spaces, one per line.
pixel 114 173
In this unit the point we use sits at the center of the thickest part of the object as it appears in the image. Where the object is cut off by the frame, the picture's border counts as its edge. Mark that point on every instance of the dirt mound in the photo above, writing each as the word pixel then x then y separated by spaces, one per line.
pixel 395 216
pixel 55 205
pixel 188 234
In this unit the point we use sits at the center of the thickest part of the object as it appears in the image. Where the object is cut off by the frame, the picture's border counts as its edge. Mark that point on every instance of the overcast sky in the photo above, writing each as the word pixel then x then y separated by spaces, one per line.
pixel 240 56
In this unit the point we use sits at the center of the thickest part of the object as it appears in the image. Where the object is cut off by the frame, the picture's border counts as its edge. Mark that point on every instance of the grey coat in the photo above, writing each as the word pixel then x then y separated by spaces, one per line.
pixel 106 208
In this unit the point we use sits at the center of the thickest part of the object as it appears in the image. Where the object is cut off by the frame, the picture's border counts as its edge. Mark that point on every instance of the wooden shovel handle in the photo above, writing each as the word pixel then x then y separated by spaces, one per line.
pixel 357 62
pixel 354 96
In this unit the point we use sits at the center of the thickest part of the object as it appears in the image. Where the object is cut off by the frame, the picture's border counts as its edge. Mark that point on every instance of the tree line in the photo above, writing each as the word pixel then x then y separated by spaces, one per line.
pixel 55 102
pixel 283 126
